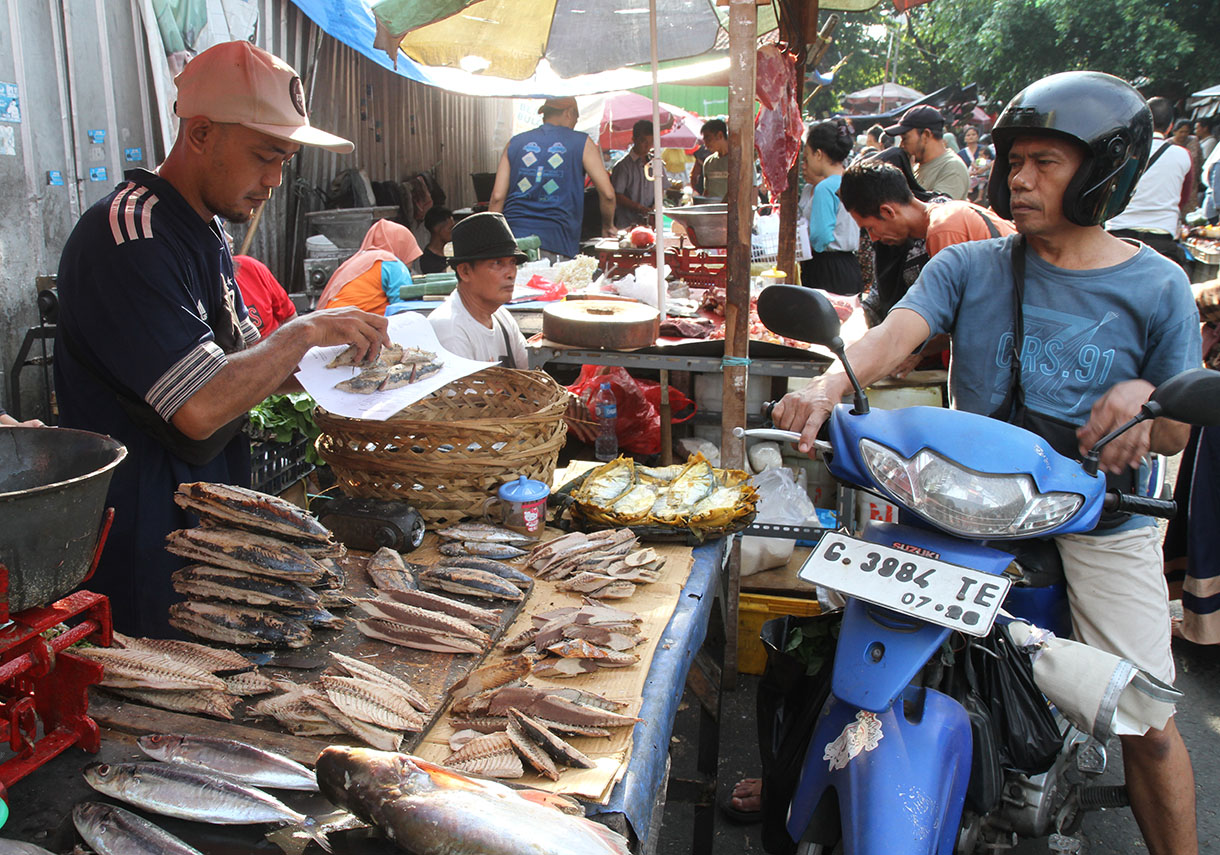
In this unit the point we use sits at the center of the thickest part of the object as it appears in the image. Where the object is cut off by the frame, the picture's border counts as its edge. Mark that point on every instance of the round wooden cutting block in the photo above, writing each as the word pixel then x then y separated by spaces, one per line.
pixel 607 324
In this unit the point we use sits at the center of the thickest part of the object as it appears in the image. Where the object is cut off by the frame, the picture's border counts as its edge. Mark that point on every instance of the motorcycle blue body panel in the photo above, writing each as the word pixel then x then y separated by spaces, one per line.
pixel 1046 607
pixel 977 442
pixel 902 797
pixel 880 651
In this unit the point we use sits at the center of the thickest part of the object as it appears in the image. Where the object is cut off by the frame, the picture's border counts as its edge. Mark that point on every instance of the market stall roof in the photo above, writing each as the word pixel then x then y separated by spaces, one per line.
pixel 617 45
pixel 1204 103
pixel 893 93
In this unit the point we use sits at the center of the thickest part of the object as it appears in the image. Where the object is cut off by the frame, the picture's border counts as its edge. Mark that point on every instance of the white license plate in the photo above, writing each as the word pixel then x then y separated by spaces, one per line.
pixel 935 591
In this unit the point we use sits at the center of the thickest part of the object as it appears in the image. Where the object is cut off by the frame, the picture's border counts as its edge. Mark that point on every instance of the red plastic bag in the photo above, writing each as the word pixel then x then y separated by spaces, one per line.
pixel 638 401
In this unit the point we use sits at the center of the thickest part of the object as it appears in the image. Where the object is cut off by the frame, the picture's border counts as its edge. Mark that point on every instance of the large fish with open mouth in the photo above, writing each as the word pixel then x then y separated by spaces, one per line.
pixel 430 810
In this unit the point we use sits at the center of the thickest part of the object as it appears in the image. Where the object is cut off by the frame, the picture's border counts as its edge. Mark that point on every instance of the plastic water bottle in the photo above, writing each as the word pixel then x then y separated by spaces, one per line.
pixel 606 410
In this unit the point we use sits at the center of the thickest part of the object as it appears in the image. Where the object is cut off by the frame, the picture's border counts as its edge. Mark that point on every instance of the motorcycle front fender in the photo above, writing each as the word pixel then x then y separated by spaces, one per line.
pixel 900 777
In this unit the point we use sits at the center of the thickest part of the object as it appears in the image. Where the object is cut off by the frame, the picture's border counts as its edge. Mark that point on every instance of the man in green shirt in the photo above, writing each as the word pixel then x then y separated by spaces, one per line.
pixel 921 132
pixel 716 166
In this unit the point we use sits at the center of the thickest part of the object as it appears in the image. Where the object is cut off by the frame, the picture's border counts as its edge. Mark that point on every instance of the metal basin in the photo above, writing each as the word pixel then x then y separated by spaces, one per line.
pixel 53 484
pixel 706 225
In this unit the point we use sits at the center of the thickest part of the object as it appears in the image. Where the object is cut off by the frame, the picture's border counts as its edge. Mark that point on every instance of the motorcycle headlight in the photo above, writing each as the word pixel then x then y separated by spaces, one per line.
pixel 965 502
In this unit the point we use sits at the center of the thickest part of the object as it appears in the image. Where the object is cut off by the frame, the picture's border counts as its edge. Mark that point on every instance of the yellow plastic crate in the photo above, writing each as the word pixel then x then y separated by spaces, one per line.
pixel 753 610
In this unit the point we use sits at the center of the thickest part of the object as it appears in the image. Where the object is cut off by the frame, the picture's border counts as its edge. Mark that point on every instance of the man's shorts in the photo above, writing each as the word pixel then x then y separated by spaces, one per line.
pixel 1120 602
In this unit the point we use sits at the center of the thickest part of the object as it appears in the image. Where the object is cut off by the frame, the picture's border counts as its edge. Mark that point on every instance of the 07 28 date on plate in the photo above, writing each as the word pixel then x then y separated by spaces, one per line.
pixel 938 592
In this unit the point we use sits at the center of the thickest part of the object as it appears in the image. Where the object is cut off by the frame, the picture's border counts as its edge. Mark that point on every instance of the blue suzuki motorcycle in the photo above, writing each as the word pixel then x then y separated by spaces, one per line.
pixel 888 765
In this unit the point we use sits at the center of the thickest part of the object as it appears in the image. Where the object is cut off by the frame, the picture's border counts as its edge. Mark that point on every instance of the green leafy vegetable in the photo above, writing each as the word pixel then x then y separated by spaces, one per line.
pixel 280 418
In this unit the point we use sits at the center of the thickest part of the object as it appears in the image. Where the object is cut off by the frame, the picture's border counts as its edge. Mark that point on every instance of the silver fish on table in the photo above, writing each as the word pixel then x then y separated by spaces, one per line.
pixel 111 830
pixel 485 533
pixel 230 758
pixel 474 583
pixel 171 789
pixel 478 548
pixel 440 812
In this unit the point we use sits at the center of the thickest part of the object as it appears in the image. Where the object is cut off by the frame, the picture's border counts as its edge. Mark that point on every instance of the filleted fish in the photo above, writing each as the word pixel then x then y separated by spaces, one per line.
pixel 490 754
pixel 111 830
pixel 367 701
pixel 230 758
pixel 141 669
pixel 435 811
pixel 196 702
pixel 249 553
pixel 424 619
pixel 440 603
pixel 391 683
pixel 242 626
pixel 415 637
pixel 202 656
pixel 249 509
pixel 474 583
pixel 201 582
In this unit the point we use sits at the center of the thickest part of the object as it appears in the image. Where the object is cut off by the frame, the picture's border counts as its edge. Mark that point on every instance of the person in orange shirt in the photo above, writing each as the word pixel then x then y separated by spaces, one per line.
pixel 371 279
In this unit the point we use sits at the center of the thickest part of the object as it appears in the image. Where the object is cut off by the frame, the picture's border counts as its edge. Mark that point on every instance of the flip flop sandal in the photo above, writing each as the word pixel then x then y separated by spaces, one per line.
pixel 737 816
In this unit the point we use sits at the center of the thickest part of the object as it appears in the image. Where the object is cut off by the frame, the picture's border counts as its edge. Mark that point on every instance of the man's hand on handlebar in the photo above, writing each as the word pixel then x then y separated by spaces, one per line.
pixel 807 409
pixel 1116 407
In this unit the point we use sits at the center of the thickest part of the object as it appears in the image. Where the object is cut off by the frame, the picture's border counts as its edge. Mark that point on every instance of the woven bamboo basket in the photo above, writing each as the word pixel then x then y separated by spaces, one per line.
pixel 446 454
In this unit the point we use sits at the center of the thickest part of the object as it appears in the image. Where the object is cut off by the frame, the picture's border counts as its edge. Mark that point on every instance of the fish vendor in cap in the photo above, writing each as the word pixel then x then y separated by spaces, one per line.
pixel 540 181
pixel 154 345
pixel 474 320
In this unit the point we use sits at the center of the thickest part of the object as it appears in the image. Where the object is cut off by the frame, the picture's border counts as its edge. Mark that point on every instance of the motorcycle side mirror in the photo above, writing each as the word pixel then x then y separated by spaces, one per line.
pixel 1192 397
pixel 806 315
pixel 799 313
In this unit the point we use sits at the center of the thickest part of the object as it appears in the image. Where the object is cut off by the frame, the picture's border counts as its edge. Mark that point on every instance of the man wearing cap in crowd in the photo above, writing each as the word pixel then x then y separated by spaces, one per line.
pixel 540 181
pixel 474 321
pixel 154 346
pixel 921 132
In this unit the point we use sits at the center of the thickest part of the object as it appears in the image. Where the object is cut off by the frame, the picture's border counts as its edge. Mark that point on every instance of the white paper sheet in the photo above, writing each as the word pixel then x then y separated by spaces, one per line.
pixel 409 329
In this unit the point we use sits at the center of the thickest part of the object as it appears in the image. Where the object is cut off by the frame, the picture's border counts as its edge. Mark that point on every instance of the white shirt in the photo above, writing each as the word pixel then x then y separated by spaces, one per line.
pixel 459 333
pixel 1158 193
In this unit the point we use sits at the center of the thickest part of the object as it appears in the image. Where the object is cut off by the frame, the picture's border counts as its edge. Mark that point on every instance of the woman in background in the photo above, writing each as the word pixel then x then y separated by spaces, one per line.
pixel 371 279
pixel 833 234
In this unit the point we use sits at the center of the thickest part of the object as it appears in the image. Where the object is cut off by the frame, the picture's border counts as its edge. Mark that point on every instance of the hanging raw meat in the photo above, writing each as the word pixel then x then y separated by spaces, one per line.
pixel 778 129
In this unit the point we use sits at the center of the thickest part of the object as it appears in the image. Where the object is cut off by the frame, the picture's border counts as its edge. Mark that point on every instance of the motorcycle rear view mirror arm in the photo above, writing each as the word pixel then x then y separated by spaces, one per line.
pixel 806 315
pixel 1192 396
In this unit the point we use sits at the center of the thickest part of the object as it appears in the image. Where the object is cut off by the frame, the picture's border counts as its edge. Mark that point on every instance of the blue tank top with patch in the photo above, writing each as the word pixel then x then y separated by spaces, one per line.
pixel 546 187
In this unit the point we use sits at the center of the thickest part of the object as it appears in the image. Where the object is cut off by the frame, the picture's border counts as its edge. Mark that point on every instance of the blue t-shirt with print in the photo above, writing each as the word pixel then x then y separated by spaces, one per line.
pixel 1085 330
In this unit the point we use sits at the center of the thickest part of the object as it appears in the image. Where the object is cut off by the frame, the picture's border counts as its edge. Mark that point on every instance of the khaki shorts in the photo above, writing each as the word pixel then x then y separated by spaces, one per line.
pixel 1120 602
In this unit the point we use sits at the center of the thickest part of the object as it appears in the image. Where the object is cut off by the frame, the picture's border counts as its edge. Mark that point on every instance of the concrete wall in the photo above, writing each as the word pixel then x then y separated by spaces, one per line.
pixel 78 66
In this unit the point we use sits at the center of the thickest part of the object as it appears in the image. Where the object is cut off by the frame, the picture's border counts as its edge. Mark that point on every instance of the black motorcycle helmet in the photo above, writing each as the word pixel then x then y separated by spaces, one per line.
pixel 1102 113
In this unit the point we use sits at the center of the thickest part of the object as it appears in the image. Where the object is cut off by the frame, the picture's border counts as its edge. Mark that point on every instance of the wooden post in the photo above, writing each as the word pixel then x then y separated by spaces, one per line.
pixel 785 257
pixel 743 30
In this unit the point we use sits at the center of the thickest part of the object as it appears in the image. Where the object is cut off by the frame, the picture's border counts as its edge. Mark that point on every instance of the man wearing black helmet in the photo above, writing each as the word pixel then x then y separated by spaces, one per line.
pixel 1066 330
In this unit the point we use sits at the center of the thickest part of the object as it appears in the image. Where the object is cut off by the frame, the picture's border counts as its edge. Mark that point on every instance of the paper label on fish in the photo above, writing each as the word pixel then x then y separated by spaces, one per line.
pixel 409 329
pixel 863 734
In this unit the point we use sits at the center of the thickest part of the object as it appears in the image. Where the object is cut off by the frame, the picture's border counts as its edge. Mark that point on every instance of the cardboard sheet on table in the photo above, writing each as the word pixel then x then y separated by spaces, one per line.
pixel 655 603
pixel 409 330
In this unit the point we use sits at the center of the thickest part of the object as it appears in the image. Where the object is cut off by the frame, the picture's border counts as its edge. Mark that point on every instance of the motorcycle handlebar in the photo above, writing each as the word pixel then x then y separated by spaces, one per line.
pixel 1163 508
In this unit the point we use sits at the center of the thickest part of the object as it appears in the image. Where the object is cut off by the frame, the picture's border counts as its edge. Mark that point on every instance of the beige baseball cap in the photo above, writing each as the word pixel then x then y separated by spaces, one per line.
pixel 239 83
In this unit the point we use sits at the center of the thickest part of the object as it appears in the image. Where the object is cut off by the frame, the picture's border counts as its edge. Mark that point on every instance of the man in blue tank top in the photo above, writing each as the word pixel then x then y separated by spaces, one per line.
pixel 540 182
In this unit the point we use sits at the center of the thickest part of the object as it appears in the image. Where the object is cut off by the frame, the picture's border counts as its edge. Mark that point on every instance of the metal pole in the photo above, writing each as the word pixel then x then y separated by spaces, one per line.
pixel 743 29
pixel 658 201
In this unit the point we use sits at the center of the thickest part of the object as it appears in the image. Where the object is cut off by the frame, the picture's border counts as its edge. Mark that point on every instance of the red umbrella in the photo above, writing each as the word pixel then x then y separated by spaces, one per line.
pixel 624 109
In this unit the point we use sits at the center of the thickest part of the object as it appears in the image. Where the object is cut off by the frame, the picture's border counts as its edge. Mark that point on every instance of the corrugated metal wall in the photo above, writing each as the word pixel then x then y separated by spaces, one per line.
pixel 81 65
pixel 400 128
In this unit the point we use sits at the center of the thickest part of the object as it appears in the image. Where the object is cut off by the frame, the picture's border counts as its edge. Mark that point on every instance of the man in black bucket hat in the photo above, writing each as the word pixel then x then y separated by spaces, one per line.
pixel 474 320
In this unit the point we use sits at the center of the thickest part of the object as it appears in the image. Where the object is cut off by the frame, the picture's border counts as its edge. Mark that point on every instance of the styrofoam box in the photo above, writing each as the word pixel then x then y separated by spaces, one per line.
pixel 709 393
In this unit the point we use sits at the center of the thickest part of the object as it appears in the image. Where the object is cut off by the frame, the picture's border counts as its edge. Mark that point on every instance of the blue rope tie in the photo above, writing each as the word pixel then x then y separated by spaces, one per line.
pixel 734 361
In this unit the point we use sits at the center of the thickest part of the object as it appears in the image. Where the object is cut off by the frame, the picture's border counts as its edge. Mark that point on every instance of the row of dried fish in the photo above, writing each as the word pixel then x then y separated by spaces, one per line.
pixel 498 727
pixel 604 565
pixel 483 540
pixel 395 366
pixel 177 675
pixel 583 638
pixel 261 559
pixel 360 699
pixel 695 495
pixel 471 576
